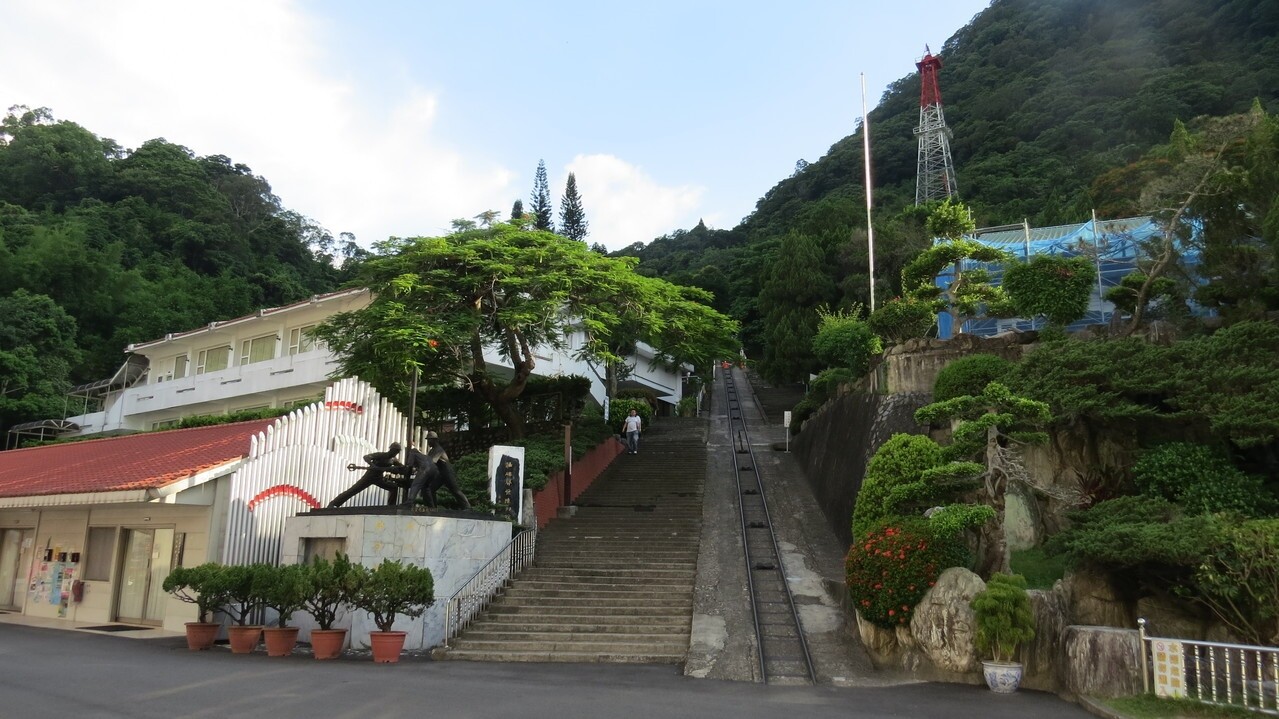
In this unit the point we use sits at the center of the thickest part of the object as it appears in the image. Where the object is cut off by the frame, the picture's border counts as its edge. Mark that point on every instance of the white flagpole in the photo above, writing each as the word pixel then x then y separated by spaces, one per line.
pixel 870 230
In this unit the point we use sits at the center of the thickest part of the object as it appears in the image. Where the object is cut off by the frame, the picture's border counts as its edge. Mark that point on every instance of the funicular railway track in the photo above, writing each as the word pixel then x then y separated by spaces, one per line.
pixel 783 652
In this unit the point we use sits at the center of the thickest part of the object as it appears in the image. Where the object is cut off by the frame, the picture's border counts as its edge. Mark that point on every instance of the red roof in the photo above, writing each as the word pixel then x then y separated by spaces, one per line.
pixel 138 461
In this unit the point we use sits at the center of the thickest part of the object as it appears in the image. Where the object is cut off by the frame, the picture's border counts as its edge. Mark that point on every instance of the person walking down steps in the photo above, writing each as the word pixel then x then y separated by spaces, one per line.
pixel 631 426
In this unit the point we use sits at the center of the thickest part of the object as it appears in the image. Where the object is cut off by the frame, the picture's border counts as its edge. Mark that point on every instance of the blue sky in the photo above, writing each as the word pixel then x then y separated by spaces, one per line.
pixel 392 118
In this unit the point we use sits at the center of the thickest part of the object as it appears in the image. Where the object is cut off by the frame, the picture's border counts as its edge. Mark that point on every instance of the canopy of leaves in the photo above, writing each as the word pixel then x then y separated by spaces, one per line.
pixel 969 375
pixel 441 301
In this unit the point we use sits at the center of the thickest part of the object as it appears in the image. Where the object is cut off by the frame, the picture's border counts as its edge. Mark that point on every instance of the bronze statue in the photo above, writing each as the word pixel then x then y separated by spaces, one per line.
pixel 379 464
pixel 430 472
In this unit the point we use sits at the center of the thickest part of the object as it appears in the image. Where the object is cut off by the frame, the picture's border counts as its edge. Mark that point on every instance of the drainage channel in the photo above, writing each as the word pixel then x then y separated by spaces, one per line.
pixel 783 652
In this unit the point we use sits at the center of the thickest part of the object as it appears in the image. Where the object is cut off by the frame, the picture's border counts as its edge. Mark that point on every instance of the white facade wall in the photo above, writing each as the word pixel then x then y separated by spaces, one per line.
pixel 290 377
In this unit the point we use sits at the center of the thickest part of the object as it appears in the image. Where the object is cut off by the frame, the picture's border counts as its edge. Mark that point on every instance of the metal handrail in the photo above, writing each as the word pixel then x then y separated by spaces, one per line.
pixel 487 582
pixel 1236 675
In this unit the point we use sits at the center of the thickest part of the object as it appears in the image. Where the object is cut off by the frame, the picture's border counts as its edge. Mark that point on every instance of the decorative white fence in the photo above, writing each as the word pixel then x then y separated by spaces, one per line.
pixel 487 583
pixel 1235 675
pixel 300 463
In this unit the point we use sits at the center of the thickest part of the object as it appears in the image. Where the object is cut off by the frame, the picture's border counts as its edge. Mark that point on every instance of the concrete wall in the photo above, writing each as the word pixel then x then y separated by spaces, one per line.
pixel 452 548
pixel 840 438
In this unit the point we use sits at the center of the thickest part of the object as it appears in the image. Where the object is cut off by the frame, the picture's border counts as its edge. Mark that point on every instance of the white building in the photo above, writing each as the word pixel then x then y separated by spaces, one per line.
pixel 265 360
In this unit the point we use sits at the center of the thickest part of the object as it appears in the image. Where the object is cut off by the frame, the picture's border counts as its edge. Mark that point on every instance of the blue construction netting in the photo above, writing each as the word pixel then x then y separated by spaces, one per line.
pixel 1112 245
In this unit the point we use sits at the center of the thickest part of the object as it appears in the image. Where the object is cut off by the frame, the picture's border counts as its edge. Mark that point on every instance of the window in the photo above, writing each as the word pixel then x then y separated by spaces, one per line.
pixel 166 424
pixel 98 553
pixel 300 341
pixel 257 349
pixel 180 366
pixel 213 359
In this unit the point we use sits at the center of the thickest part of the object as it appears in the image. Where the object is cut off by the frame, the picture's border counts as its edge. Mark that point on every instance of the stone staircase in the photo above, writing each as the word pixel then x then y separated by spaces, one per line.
pixel 614 582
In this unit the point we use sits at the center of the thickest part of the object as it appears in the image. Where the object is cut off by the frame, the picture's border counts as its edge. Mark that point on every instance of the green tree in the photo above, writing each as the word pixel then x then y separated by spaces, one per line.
pixel 992 424
pixel 440 301
pixel 37 354
pixel 517 212
pixel 573 224
pixel 541 208
pixel 795 287
pixel 969 294
pixel 1054 287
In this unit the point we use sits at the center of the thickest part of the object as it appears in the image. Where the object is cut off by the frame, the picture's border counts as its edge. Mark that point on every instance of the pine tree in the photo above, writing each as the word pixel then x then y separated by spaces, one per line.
pixel 541 207
pixel 796 285
pixel 517 211
pixel 573 224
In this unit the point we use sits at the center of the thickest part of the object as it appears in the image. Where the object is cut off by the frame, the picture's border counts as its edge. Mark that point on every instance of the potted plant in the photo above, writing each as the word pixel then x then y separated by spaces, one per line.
pixel 387 591
pixel 330 587
pixel 243 598
pixel 285 590
pixel 202 587
pixel 1004 621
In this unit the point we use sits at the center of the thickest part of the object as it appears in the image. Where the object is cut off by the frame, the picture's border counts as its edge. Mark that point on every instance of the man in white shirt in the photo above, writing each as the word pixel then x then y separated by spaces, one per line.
pixel 631 428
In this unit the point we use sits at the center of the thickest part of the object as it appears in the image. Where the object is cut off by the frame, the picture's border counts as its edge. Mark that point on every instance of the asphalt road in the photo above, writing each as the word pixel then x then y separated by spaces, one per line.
pixel 77 675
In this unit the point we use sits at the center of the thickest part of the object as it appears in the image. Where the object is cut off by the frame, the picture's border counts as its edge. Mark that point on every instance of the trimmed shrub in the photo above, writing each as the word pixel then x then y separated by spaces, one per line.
pixel 1202 480
pixel 1051 286
pixel 844 341
pixel 901 460
pixel 891 568
pixel 899 320
pixel 824 386
pixel 969 376
pixel 802 411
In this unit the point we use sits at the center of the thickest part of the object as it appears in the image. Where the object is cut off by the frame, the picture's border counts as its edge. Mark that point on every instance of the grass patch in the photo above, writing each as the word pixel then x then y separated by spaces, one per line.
pixel 1148 706
pixel 1039 569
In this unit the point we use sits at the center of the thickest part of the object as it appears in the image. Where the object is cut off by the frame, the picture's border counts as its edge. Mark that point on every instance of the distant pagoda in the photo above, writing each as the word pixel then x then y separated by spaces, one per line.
pixel 935 174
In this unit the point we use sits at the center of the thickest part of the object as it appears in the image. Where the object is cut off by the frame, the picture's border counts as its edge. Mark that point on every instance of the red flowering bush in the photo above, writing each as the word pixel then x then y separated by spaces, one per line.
pixel 893 566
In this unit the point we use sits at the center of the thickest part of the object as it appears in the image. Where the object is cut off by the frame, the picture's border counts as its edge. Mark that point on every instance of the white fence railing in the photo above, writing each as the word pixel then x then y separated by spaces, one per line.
pixel 487 583
pixel 1235 675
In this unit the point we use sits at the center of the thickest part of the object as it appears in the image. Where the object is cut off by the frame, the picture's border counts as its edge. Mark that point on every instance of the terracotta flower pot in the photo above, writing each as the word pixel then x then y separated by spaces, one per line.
pixel 280 640
pixel 200 635
pixel 243 639
pixel 327 643
pixel 387 646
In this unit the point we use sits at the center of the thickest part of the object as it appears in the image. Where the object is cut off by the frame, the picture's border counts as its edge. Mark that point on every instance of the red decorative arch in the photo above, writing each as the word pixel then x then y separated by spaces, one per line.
pixel 281 490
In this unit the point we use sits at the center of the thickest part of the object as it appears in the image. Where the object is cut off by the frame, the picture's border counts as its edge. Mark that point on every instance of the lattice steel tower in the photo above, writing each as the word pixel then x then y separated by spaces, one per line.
pixel 935 174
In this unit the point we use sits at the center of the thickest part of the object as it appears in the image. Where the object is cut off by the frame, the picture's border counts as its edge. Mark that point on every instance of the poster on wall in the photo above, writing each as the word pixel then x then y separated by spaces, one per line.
pixel 506 477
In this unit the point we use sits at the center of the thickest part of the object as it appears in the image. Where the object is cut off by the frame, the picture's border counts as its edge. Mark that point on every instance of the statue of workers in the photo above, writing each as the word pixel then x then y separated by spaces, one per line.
pixel 378 465
pixel 430 472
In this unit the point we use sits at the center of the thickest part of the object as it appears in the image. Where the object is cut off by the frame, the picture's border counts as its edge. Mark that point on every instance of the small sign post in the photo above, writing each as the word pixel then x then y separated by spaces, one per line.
pixel 786 424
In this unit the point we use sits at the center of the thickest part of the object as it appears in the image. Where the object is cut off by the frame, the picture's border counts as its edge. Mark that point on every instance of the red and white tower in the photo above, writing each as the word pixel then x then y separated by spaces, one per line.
pixel 935 174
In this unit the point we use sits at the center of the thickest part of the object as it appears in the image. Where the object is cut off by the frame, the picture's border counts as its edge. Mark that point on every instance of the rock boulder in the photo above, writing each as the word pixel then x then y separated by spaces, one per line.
pixel 1101 662
pixel 943 624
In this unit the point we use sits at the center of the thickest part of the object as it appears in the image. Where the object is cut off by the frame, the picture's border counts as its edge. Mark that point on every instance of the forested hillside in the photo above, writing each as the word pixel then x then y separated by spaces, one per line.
pixel 102 246
pixel 1045 98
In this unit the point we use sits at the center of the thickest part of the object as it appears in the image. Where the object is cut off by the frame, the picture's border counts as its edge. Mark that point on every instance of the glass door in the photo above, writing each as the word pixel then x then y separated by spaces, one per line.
pixel 145 563
pixel 15 558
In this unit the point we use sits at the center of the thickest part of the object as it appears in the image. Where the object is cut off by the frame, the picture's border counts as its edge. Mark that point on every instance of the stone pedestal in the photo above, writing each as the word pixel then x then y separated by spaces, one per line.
pixel 452 545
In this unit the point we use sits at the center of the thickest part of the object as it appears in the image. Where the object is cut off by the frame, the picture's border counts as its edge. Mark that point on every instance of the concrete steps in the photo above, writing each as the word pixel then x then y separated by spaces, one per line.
pixel 614 582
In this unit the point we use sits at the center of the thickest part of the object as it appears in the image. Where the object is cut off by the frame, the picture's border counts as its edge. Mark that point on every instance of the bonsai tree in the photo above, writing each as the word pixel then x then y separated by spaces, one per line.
pixel 242 590
pixel 1003 616
pixel 394 588
pixel 201 586
pixel 284 589
pixel 330 586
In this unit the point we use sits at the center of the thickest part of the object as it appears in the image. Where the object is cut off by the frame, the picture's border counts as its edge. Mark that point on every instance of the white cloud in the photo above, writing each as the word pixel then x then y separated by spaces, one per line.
pixel 247 79
pixel 256 80
pixel 624 205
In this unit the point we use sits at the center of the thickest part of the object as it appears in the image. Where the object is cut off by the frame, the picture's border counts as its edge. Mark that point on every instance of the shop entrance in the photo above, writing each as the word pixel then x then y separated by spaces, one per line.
pixel 15 563
pixel 145 562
